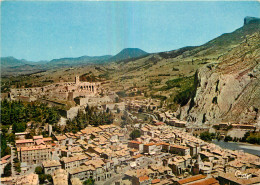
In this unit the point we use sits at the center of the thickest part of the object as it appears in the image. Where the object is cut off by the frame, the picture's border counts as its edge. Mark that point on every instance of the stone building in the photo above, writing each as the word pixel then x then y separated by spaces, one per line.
pixel 34 154
pixel 73 162
pixel 60 177
pixel 50 166
pixel 59 91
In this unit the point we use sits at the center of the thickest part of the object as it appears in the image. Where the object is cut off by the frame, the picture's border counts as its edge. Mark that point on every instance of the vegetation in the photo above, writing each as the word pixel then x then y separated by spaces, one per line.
pixel 121 94
pixel 228 138
pixel 251 137
pixel 135 134
pixel 206 136
pixel 7 170
pixel 5 150
pixel 186 88
pixel 89 181
pixel 90 117
pixel 39 170
pixel 43 177
pixel 162 98
pixel 188 92
pixel 17 113
pixel 17 165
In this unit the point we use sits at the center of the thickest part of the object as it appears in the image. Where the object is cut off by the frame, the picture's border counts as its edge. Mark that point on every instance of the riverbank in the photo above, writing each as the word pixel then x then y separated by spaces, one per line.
pixel 246 147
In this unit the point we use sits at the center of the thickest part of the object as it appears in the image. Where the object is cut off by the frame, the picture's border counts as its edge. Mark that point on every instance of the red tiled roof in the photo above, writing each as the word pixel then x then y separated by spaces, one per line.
pixel 155 181
pixel 143 178
pixel 159 123
pixel 137 142
pixel 210 181
pixel 149 144
pixel 191 179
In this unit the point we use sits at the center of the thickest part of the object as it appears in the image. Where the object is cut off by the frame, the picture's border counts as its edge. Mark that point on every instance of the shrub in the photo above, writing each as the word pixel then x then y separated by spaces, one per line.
pixel 135 134
pixel 228 138
pixel 7 170
pixel 206 136
pixel 38 170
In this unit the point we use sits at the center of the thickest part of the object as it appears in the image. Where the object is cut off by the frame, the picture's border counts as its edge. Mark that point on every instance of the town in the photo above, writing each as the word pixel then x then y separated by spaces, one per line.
pixel 139 141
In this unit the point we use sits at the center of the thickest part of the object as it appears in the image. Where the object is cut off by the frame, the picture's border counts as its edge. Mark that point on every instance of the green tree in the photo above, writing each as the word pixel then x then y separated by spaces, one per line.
pixel 135 134
pixel 206 136
pixel 19 127
pixel 89 181
pixel 228 138
pixel 7 170
pixel 38 170
pixel 42 178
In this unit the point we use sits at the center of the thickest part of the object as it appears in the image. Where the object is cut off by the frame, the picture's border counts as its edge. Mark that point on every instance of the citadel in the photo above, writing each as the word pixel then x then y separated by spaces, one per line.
pixel 65 91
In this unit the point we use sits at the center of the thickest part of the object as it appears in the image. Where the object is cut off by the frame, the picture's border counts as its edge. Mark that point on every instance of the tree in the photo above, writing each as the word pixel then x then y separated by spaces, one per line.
pixel 228 138
pixel 42 178
pixel 49 178
pixel 7 170
pixel 89 181
pixel 19 127
pixel 38 170
pixel 206 136
pixel 135 134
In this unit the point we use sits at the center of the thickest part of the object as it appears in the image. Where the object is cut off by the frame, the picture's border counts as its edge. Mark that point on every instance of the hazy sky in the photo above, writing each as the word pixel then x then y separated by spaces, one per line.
pixel 47 30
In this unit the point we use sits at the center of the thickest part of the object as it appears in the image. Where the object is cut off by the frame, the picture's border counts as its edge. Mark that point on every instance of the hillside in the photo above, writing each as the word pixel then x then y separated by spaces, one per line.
pixel 229 90
pixel 78 61
pixel 171 75
pixel 12 66
pixel 11 62
pixel 128 53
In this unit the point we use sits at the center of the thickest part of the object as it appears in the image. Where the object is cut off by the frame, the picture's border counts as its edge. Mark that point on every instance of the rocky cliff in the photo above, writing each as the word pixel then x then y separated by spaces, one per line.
pixel 230 89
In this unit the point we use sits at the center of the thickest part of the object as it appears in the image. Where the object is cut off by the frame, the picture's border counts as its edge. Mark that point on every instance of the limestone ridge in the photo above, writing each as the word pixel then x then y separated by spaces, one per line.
pixel 229 90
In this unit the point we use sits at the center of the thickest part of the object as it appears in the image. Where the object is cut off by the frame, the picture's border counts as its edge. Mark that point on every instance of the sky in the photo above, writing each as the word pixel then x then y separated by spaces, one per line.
pixel 47 30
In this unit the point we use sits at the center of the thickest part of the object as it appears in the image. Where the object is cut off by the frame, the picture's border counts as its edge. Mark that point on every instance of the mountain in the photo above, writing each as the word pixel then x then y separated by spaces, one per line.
pixel 128 53
pixel 12 62
pixel 248 20
pixel 229 91
pixel 79 60
pixel 232 58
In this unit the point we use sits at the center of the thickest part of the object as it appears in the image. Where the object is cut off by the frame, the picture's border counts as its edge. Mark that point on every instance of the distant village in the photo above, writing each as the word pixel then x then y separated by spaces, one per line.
pixel 146 144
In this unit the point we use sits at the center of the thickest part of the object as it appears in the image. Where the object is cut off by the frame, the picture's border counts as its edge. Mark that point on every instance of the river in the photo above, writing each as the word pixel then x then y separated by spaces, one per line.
pixel 248 148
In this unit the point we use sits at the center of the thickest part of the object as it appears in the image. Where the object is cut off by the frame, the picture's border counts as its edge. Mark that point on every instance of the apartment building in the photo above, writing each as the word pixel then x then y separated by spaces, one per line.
pixel 34 154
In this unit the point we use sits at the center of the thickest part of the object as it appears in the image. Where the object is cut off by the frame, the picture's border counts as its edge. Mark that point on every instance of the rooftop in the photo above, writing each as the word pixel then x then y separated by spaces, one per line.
pixel 191 179
pixel 50 163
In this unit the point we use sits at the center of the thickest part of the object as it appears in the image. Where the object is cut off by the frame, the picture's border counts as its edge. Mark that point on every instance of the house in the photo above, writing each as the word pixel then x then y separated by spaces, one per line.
pixel 60 177
pixel 143 180
pixel 82 172
pixel 73 162
pixel 34 154
pixel 181 150
pixel 27 179
pixel 61 139
pixel 136 145
pixel 50 166
pixel 24 143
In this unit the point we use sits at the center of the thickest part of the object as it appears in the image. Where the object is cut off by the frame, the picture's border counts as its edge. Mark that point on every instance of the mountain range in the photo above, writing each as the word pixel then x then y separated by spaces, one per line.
pixel 10 65
pixel 219 45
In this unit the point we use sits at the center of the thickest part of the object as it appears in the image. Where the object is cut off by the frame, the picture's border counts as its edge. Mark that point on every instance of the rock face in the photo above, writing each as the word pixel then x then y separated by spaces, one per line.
pixel 248 19
pixel 230 89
